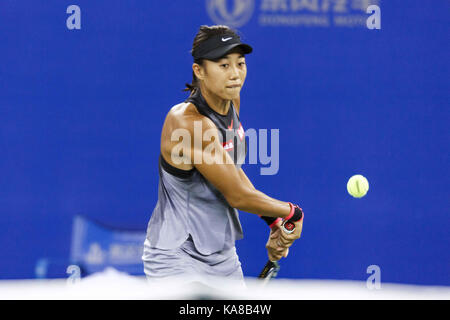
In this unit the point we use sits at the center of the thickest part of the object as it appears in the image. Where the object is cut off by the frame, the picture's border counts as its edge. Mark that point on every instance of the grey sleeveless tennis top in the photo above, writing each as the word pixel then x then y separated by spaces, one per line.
pixel 189 205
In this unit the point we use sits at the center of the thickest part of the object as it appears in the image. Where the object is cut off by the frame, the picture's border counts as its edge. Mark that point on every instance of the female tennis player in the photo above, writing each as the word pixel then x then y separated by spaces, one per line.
pixel 194 226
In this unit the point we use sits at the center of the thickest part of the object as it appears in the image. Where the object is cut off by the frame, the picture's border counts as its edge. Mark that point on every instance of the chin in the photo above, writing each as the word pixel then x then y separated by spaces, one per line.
pixel 234 95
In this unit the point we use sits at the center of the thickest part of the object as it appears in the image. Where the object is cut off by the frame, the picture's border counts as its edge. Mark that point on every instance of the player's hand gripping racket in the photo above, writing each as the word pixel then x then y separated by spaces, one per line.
pixel 272 267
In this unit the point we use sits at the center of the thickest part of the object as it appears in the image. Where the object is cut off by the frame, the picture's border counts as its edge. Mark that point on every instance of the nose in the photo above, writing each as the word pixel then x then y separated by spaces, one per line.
pixel 234 73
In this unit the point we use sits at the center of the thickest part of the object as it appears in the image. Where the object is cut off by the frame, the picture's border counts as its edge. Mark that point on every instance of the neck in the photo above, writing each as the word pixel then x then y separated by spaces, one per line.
pixel 215 102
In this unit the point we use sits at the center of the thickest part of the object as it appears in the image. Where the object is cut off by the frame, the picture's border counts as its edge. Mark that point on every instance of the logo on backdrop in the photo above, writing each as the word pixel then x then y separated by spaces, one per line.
pixel 233 13
pixel 293 13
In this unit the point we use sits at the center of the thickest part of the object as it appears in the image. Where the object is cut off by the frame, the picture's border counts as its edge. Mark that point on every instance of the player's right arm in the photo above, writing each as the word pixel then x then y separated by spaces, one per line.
pixel 218 168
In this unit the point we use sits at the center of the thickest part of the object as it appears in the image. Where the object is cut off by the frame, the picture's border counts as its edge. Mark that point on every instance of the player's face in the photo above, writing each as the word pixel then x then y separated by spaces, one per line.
pixel 226 76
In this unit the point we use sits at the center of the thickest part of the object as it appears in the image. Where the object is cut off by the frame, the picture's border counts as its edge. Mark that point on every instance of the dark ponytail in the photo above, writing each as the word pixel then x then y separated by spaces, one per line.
pixel 203 34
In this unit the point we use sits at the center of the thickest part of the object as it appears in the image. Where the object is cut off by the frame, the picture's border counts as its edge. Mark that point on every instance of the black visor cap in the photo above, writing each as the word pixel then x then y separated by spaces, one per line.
pixel 218 47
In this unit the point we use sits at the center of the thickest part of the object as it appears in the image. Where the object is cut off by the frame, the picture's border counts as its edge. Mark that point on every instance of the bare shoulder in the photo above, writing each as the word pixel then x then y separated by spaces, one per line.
pixel 181 119
pixel 183 116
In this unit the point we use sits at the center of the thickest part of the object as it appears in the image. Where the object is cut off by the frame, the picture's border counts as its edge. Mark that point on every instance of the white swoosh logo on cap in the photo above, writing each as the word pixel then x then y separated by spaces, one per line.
pixel 226 39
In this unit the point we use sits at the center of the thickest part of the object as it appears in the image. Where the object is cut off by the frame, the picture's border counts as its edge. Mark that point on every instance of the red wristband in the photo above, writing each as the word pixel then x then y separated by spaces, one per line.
pixel 271 221
pixel 297 215
pixel 290 213
pixel 274 223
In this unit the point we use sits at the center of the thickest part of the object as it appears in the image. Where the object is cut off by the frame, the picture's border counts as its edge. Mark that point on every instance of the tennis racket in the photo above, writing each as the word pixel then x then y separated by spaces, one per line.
pixel 272 268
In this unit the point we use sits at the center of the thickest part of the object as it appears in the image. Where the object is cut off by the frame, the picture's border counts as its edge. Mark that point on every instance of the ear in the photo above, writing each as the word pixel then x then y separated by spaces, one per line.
pixel 198 71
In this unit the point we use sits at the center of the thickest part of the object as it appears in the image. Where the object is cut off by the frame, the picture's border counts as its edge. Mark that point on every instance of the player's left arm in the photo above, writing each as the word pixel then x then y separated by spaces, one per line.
pixel 274 245
pixel 279 238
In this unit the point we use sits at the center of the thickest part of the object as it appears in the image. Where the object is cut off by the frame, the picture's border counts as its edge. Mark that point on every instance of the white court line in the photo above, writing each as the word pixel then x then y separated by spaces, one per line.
pixel 115 285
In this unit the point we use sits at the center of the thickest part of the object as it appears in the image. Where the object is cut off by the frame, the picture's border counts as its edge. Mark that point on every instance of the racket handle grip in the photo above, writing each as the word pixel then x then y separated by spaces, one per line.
pixel 288 226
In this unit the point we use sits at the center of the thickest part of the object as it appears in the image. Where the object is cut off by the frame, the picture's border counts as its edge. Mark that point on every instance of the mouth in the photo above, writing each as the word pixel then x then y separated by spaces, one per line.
pixel 234 86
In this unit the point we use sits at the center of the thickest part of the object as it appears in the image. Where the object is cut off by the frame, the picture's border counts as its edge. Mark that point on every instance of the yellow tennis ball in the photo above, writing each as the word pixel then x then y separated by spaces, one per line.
pixel 357 186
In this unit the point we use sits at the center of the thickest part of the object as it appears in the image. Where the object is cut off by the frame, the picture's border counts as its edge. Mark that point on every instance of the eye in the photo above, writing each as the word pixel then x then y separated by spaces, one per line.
pixel 225 65
pixel 242 63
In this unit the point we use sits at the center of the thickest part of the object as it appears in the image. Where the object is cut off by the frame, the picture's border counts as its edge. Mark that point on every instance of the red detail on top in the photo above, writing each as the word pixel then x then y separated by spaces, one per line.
pixel 228 145
pixel 231 125
pixel 241 132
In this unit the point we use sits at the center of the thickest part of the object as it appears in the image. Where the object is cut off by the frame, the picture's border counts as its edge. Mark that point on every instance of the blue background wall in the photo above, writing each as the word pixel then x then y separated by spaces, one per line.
pixel 81 113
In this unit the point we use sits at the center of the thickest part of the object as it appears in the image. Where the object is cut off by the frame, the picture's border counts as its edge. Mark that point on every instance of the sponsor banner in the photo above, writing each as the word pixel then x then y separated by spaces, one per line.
pixel 96 247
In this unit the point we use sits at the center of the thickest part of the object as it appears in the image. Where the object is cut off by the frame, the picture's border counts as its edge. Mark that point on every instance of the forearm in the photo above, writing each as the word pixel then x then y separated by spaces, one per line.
pixel 257 202
pixel 254 201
